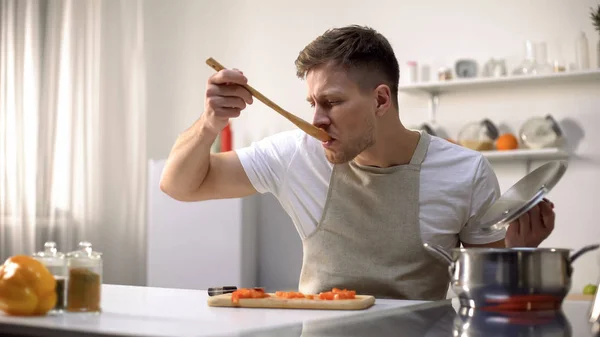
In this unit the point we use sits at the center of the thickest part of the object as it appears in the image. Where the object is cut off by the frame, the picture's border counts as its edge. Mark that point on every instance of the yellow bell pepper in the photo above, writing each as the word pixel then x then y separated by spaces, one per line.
pixel 27 287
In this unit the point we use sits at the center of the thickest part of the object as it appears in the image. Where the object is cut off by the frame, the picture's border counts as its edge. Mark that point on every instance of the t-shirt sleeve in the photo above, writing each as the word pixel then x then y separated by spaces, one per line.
pixel 266 161
pixel 486 190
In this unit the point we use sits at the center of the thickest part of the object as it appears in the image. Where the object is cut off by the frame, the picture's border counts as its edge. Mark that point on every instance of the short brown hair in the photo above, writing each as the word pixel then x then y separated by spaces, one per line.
pixel 361 50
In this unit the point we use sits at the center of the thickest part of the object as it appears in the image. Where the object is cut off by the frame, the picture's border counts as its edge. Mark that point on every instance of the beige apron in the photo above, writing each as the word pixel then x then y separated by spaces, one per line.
pixel 369 236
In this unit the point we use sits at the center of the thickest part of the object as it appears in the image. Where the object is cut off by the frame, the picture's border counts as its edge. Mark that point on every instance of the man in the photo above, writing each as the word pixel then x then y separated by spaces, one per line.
pixel 365 201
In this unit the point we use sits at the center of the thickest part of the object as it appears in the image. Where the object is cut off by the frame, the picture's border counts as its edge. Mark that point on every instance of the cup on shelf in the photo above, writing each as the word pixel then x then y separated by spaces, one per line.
pixel 412 67
pixel 425 73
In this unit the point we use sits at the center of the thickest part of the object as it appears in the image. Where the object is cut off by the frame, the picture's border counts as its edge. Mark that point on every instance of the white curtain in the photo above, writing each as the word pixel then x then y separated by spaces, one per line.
pixel 72 130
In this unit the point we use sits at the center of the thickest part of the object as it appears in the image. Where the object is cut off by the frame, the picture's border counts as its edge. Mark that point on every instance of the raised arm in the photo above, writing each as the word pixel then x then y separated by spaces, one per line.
pixel 191 172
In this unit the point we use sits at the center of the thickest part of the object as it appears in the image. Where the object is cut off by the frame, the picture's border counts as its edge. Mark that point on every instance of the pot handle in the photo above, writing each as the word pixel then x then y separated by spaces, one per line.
pixel 582 251
pixel 439 252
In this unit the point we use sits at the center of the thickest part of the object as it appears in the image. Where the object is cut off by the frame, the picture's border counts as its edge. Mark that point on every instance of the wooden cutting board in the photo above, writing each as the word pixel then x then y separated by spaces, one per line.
pixel 579 297
pixel 361 302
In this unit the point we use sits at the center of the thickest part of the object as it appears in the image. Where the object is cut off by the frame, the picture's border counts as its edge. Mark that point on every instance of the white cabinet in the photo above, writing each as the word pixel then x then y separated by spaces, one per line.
pixel 197 245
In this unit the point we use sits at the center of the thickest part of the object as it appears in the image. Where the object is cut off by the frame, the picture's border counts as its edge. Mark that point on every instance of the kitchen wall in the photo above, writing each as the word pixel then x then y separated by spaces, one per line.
pixel 263 38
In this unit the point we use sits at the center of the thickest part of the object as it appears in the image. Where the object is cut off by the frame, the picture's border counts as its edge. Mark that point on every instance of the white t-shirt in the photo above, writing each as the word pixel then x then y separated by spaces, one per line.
pixel 456 185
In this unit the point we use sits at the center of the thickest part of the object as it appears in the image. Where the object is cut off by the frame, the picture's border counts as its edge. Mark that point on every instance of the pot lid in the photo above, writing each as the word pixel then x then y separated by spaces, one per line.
pixel 523 195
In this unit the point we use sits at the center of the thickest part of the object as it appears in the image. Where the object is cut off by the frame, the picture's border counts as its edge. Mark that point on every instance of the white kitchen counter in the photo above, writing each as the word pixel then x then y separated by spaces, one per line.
pixel 145 311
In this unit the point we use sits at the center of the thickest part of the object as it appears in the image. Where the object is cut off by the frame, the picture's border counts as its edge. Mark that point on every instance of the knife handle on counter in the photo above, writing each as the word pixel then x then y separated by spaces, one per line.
pixel 213 291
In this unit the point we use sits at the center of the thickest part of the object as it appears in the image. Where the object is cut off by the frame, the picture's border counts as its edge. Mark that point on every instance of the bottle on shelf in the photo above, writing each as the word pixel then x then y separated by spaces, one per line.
pixel 226 138
pixel 528 66
pixel 582 52
pixel 542 64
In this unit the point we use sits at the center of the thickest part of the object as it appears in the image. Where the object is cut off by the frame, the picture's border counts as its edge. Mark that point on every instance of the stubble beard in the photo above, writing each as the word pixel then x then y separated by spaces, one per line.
pixel 353 149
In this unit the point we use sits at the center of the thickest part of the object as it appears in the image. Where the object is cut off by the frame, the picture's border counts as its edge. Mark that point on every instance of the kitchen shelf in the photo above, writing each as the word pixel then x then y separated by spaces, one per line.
pixel 460 84
pixel 528 154
pixel 435 88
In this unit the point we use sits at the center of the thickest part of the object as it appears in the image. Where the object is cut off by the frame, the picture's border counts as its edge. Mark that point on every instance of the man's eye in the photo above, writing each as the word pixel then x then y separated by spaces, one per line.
pixel 333 102
pixel 312 104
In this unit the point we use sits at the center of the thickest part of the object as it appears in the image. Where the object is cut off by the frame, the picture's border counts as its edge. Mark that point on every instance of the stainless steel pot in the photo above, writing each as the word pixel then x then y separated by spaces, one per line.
pixel 510 278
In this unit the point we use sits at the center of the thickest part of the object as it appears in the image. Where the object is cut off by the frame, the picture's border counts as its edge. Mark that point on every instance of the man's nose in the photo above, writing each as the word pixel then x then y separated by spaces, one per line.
pixel 320 119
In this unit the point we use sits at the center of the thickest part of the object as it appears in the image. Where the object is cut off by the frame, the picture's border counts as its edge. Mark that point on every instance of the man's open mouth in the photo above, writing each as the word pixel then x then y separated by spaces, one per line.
pixel 327 144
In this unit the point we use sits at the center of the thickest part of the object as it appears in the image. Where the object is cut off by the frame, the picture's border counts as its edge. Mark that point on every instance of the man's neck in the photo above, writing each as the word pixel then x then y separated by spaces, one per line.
pixel 394 145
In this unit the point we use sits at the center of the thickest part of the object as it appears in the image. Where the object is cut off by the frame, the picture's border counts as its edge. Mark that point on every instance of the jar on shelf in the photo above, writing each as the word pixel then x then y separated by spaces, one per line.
pixel 478 136
pixel 56 263
pixel 444 74
pixel 85 279
pixel 541 132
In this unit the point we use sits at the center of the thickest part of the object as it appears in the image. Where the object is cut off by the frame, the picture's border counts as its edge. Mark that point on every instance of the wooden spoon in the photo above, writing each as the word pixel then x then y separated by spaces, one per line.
pixel 300 123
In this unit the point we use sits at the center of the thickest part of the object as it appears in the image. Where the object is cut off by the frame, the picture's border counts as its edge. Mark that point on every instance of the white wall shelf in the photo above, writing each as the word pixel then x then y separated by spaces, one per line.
pixel 435 88
pixel 460 84
pixel 528 154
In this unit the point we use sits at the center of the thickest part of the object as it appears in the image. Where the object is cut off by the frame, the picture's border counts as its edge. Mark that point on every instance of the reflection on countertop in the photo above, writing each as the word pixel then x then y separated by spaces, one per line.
pixel 447 318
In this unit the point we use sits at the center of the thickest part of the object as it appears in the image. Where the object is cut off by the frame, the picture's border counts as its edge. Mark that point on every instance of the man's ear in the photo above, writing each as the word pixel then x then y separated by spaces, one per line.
pixel 383 98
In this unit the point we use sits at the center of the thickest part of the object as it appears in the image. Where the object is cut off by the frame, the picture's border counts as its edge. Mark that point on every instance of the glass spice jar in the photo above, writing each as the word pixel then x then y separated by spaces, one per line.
pixel 55 262
pixel 444 74
pixel 85 279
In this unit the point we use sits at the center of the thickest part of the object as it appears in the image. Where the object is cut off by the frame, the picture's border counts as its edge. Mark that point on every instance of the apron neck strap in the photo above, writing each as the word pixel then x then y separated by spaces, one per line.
pixel 421 149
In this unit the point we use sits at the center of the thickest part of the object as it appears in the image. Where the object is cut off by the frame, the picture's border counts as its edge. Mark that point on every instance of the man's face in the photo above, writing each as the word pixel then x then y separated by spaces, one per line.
pixel 343 111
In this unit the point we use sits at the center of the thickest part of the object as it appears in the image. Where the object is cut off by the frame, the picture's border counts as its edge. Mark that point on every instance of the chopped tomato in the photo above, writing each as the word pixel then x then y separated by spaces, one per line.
pixel 334 294
pixel 289 294
pixel 326 296
pixel 338 294
pixel 247 293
